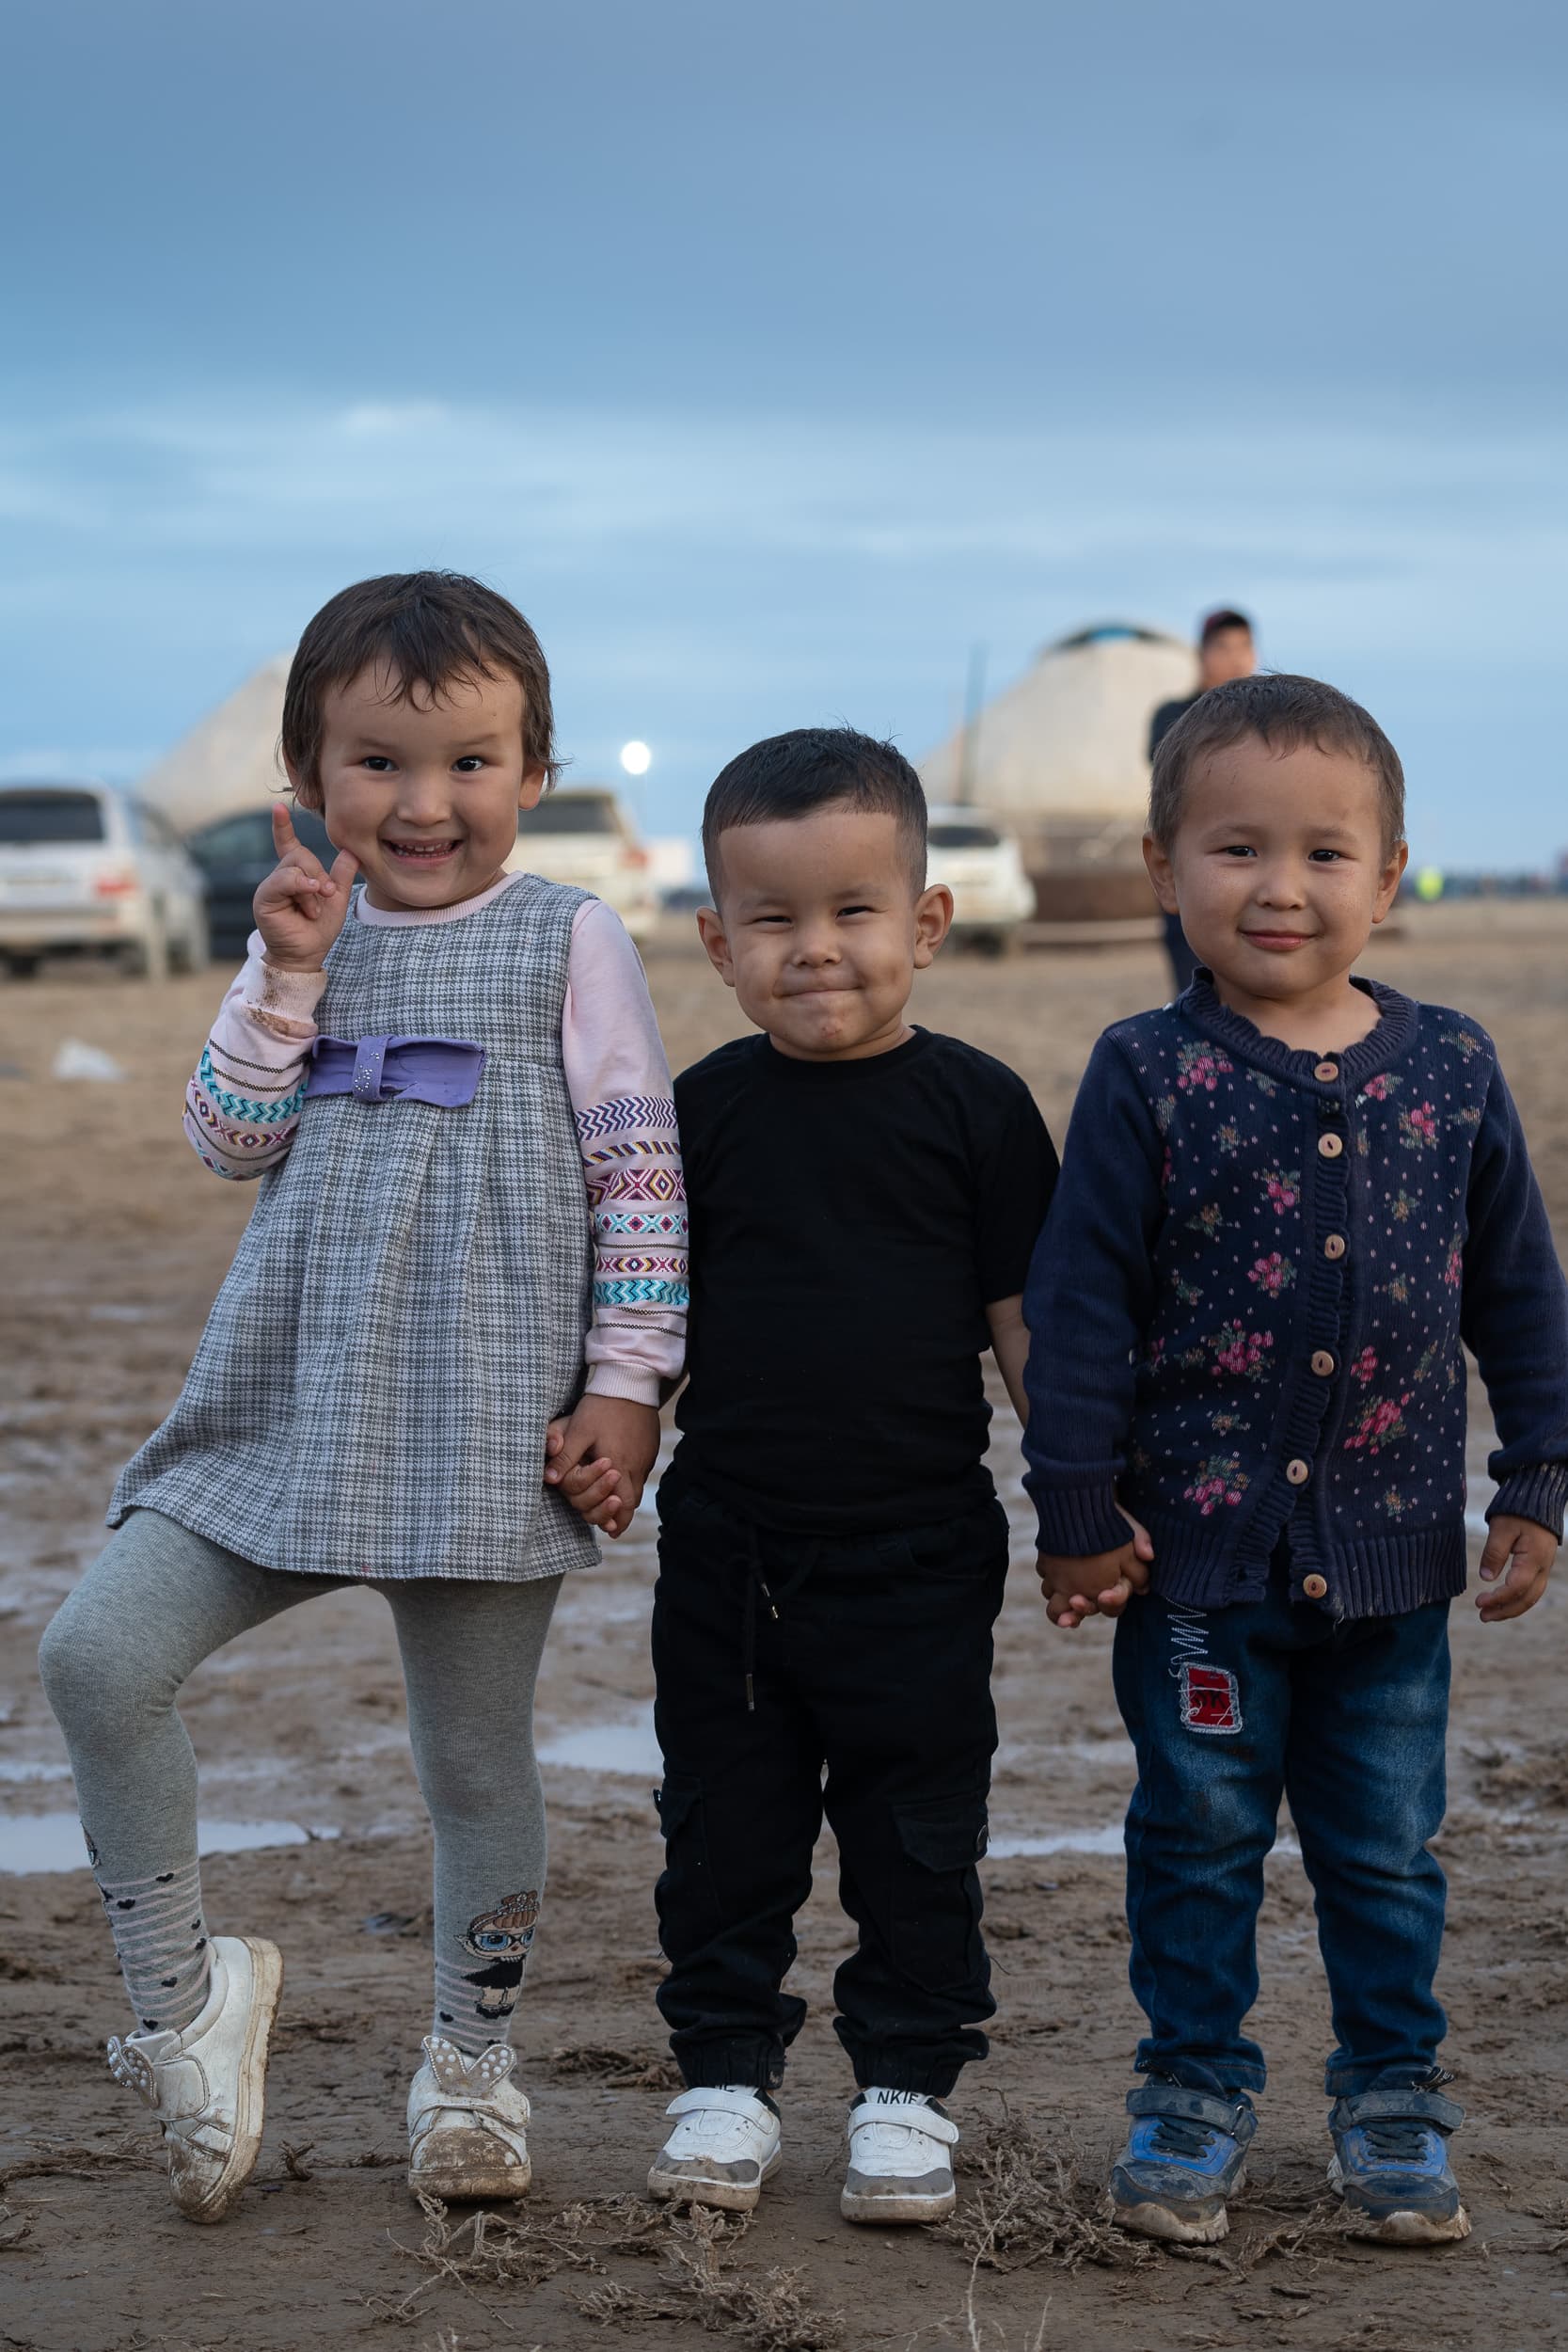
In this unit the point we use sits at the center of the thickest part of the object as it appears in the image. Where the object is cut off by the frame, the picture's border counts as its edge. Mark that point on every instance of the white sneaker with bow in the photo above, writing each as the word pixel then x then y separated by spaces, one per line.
pixel 900 2158
pixel 468 2125
pixel 725 2145
pixel 206 2083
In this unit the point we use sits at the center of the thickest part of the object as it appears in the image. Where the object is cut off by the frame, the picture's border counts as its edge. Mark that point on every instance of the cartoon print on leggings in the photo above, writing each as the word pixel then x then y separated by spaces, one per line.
pixel 501 1937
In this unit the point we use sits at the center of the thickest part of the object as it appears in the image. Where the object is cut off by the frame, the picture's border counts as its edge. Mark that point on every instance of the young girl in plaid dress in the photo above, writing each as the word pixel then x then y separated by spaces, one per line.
pixel 471 1222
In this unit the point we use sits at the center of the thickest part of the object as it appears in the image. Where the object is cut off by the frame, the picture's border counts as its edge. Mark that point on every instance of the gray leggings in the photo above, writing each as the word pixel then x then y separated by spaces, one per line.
pixel 157 1602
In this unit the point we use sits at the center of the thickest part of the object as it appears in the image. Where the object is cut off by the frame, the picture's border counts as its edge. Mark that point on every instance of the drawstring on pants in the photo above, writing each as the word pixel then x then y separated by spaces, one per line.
pixel 751 1561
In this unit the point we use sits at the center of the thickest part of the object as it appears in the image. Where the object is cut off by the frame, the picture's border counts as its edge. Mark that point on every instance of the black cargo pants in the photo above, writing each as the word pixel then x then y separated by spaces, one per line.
pixel 782 1659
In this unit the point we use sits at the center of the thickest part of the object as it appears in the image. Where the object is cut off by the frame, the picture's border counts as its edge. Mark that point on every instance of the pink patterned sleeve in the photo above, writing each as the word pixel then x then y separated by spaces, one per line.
pixel 619 1082
pixel 242 1103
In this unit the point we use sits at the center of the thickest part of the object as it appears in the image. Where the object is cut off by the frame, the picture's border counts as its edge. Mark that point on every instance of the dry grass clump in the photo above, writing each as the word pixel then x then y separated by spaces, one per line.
pixel 1032 2204
pixel 771 2312
pixel 141 2152
pixel 617 2070
pixel 487 2251
pixel 520 2249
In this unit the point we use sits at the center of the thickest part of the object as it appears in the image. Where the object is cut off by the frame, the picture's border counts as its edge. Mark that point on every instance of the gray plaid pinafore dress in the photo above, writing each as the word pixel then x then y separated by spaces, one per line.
pixel 408 1304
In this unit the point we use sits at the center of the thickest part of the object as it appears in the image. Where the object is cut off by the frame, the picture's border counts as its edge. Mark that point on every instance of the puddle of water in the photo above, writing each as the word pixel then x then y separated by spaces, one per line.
pixel 627 1749
pixel 52 1841
pixel 1105 1840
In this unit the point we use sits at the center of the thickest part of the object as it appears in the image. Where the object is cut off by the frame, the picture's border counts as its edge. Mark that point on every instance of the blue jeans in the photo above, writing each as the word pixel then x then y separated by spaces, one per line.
pixel 1229 1709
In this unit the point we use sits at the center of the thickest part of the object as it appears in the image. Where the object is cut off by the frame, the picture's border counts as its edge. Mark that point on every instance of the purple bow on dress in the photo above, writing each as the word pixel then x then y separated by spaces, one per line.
pixel 440 1069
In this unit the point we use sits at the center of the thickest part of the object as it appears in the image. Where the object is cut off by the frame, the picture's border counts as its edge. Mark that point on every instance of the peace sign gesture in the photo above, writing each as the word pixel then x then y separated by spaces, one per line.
pixel 300 907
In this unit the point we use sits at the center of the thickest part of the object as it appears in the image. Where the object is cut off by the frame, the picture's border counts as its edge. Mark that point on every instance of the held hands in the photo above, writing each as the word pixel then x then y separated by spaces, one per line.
pixel 1100 1587
pixel 599 1457
pixel 300 907
pixel 1517 1563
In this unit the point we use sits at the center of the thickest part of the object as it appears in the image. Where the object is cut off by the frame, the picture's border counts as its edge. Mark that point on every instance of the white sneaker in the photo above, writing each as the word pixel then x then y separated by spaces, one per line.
pixel 722 2149
pixel 900 2161
pixel 206 2083
pixel 468 2125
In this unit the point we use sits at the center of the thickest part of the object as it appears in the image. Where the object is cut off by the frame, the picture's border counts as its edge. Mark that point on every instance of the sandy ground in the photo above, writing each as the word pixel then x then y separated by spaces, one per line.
pixel 115 1243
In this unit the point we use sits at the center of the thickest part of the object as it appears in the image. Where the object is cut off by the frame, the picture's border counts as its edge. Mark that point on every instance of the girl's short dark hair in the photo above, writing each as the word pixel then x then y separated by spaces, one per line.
pixel 426 629
pixel 1284 712
pixel 811 767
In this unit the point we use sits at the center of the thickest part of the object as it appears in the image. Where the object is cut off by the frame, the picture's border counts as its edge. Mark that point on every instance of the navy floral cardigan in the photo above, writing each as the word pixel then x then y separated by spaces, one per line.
pixel 1251 1297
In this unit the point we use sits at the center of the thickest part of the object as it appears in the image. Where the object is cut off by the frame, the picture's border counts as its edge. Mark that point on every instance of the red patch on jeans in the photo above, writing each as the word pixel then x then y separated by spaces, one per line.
pixel 1211 1700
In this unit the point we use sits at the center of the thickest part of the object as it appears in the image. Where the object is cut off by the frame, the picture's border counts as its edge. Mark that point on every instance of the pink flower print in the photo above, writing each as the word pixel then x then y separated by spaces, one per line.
pixel 1167 1168
pixel 1418 1128
pixel 1188 1292
pixel 1200 1068
pixel 1222 1423
pixel 1240 1351
pixel 1264 1086
pixel 1465 1040
pixel 1154 1354
pixel 1381 1422
pixel 1208 1220
pixel 1230 1138
pixel 1363 1366
pixel 1453 1270
pixel 1220 1480
pixel 1283 1186
pixel 1378 1089
pixel 1273 1274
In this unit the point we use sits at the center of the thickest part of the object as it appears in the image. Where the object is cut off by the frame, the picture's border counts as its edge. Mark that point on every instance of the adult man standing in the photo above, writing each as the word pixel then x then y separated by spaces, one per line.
pixel 1224 650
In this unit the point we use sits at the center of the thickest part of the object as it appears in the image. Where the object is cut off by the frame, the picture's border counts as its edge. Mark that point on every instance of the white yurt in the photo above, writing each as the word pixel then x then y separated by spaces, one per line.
pixel 228 762
pixel 1061 757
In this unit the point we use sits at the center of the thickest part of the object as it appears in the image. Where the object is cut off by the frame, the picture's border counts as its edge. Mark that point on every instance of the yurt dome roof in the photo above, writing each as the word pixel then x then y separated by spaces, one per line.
pixel 229 761
pixel 1069 738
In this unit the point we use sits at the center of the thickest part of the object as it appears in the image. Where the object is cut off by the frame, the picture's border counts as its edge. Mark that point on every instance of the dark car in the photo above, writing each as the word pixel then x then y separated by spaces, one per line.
pixel 236 854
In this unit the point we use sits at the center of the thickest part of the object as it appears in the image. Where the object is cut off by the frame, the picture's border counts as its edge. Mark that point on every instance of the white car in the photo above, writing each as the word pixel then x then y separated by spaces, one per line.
pixel 85 870
pixel 585 834
pixel 983 867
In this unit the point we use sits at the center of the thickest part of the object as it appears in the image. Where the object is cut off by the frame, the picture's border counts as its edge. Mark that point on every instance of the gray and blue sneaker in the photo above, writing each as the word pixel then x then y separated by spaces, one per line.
pixel 1390 2166
pixel 1185 2155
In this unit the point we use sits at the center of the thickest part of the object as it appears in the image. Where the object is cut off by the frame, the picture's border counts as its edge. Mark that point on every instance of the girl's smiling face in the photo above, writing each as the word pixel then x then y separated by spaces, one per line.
pixel 424 789
pixel 1279 872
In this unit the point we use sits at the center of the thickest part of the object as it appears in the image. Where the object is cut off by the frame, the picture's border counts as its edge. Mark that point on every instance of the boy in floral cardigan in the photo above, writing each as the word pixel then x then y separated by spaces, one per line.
pixel 1289 1200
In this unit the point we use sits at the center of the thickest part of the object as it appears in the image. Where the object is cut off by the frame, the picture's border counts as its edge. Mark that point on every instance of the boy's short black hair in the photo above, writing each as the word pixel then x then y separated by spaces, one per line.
pixel 427 629
pixel 1215 624
pixel 1284 712
pixel 793 775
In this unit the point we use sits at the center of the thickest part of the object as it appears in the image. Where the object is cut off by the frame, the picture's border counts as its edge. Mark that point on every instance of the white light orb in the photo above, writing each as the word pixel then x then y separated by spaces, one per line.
pixel 636 759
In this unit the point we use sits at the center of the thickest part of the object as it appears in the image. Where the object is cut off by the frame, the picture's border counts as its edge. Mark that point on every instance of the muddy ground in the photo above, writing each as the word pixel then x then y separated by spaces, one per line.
pixel 114 1241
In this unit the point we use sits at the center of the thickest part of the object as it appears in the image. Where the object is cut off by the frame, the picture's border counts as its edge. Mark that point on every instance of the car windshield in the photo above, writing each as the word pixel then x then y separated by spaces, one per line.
pixel 964 837
pixel 570 811
pixel 246 840
pixel 29 816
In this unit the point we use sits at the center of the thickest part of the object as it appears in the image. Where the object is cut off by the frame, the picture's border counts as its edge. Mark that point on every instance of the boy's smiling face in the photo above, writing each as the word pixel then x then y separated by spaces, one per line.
pixel 1279 872
pixel 424 793
pixel 821 929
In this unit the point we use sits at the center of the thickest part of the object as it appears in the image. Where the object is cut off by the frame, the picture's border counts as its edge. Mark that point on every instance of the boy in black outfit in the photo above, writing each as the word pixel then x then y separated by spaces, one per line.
pixel 865 1198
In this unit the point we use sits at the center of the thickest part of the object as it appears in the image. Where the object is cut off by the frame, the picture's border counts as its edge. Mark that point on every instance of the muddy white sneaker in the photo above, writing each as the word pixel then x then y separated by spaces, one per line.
pixel 468 2125
pixel 725 2145
pixel 206 2083
pixel 900 2158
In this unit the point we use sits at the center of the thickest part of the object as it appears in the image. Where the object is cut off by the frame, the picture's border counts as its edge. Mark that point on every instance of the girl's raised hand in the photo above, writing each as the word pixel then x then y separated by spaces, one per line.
pixel 299 909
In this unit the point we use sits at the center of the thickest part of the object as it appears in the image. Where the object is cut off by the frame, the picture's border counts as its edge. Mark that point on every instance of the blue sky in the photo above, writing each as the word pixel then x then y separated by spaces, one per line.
pixel 772 358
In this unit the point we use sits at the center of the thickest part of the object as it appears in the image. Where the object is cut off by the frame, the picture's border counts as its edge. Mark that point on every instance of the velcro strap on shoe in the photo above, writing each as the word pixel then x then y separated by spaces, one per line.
pixel 1411 2104
pixel 1234 2116
pixel 911 2113
pixel 718 2098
